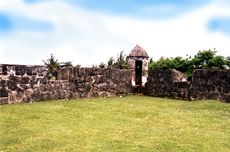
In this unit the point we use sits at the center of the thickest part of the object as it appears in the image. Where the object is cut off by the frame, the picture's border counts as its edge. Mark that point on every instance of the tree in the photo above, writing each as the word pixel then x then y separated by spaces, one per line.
pixel 228 61
pixel 102 65
pixel 162 63
pixel 110 62
pixel 52 65
pixel 121 62
pixel 202 59
pixel 217 62
pixel 151 60
pixel 205 59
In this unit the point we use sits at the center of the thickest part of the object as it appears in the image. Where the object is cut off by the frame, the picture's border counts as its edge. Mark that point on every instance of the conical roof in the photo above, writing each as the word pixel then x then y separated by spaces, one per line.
pixel 138 51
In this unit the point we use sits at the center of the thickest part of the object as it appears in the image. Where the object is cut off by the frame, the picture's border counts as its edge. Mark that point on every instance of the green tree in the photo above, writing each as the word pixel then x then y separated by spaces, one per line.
pixel 162 63
pixel 228 61
pixel 205 59
pixel 151 60
pixel 102 65
pixel 217 62
pixel 121 62
pixel 52 65
pixel 202 59
pixel 110 62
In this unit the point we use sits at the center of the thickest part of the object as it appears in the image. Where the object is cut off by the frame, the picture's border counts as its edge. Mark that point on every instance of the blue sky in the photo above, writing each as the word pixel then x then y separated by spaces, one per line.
pixel 88 32
pixel 10 23
pixel 136 8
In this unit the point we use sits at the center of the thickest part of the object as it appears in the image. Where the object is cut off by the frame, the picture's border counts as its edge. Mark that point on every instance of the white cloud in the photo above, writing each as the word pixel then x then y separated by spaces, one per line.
pixel 183 35
pixel 86 37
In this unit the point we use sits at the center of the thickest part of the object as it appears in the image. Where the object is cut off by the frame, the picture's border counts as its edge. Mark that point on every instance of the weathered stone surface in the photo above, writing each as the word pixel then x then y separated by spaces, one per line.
pixel 6 69
pixel 82 83
pixel 166 83
pixel 99 82
pixel 210 84
pixel 205 84
pixel 95 82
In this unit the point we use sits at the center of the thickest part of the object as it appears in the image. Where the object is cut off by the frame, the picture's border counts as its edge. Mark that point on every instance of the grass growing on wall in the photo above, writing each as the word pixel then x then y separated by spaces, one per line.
pixel 116 124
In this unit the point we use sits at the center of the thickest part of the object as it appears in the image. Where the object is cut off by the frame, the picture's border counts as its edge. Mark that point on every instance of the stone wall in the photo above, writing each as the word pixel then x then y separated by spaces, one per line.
pixel 211 84
pixel 78 82
pixel 82 83
pixel 167 83
pixel 205 84
pixel 98 82
pixel 8 69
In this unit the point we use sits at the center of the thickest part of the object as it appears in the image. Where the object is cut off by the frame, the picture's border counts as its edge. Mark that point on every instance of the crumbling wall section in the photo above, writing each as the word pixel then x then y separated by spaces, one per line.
pixel 107 82
pixel 101 82
pixel 167 83
pixel 205 84
pixel 211 84
pixel 13 69
pixel 82 83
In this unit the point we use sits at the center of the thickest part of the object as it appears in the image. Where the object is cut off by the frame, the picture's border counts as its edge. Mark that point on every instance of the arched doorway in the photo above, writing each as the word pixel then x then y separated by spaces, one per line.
pixel 138 63
pixel 138 71
pixel 4 69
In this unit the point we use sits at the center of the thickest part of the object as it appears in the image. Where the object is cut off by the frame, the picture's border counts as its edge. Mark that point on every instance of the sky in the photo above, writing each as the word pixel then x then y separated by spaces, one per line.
pixel 88 32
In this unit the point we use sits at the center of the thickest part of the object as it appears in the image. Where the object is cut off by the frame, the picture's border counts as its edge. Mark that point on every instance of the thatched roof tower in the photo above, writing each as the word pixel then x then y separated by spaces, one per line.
pixel 138 51
pixel 138 63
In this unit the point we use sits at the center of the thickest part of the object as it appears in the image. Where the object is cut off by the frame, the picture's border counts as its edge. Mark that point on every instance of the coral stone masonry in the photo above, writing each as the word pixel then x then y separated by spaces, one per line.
pixel 107 82
pixel 12 69
pixel 81 83
pixel 138 63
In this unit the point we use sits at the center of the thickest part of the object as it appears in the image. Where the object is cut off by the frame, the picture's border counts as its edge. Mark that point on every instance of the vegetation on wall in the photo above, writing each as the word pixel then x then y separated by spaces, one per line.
pixel 53 65
pixel 205 59
pixel 120 62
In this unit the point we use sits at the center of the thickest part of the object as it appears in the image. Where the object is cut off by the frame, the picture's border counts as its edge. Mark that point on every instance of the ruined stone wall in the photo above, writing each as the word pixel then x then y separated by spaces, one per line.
pixel 76 83
pixel 8 69
pixel 167 83
pixel 82 83
pixel 205 84
pixel 98 82
pixel 211 84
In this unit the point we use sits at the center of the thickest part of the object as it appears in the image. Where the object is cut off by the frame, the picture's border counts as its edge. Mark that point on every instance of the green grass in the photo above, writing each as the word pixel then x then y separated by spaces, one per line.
pixel 134 123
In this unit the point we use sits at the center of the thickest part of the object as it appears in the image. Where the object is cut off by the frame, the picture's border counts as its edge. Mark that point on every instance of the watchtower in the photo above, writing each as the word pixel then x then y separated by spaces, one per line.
pixel 138 63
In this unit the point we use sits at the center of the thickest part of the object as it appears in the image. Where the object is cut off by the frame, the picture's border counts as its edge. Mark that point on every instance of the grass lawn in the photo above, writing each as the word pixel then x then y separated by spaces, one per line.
pixel 134 123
